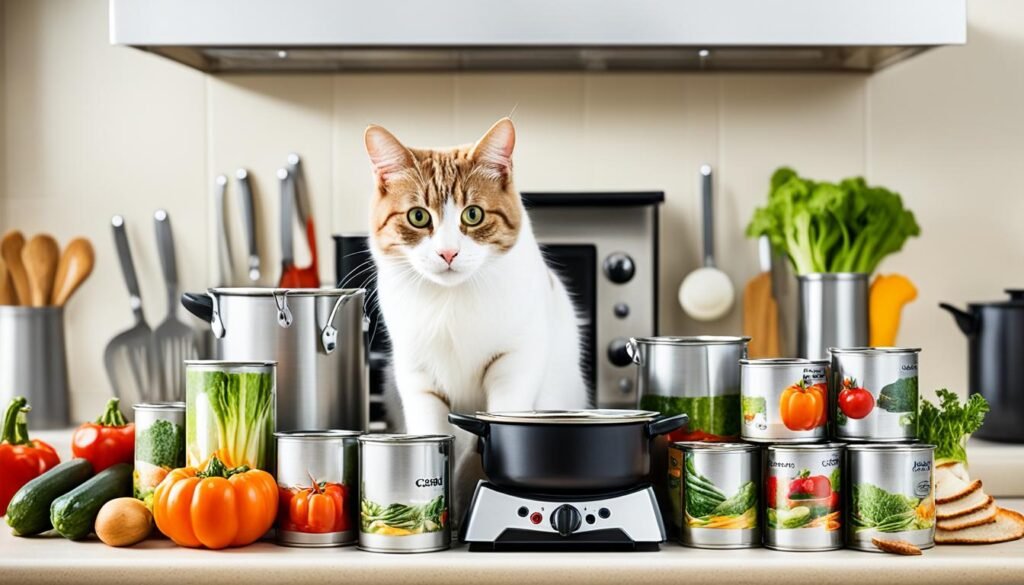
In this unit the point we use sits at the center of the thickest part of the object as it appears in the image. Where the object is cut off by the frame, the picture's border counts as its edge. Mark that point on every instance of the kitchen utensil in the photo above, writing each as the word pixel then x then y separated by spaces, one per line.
pixel 310 275
pixel 225 263
pixel 10 248
pixel 559 450
pixel 760 313
pixel 131 356
pixel 175 341
pixel 875 393
pixel 7 294
pixel 40 256
pixel 317 338
pixel 75 266
pixel 33 363
pixel 699 376
pixel 248 205
pixel 995 344
pixel 707 293
pixel 289 277
pixel 833 312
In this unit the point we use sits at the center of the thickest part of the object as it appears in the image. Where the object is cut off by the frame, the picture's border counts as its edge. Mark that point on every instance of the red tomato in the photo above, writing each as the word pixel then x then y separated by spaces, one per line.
pixel 855 402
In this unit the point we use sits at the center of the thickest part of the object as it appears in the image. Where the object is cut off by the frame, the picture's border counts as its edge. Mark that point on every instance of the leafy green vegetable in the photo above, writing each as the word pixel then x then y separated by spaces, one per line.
pixel 950 424
pixel 828 227
pixel 162 444
pixel 714 415
pixel 242 409
pixel 876 508
pixel 900 396
pixel 744 499
pixel 397 519
pixel 833 480
pixel 702 496
pixel 753 405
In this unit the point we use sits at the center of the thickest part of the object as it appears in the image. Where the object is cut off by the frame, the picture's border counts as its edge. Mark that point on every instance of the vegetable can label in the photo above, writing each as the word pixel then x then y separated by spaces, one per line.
pixel 876 396
pixel 802 493
pixel 893 495
pixel 786 402
pixel 159 448
pixel 717 500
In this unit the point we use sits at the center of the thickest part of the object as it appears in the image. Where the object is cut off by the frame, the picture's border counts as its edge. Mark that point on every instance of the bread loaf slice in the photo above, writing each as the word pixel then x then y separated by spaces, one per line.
pixel 969 504
pixel 953 489
pixel 986 515
pixel 1009 525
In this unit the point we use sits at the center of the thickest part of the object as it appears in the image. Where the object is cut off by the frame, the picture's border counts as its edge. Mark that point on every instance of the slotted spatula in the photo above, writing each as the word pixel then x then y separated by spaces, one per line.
pixel 130 357
pixel 175 341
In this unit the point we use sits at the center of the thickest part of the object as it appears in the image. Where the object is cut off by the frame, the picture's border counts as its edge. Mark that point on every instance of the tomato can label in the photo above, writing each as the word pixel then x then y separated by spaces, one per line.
pixel 873 394
pixel 784 400
pixel 803 497
pixel 159 445
pixel 891 495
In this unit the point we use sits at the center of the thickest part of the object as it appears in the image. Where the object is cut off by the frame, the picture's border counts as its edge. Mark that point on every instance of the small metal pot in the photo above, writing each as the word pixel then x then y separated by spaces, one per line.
pixel 560 450
pixel 833 312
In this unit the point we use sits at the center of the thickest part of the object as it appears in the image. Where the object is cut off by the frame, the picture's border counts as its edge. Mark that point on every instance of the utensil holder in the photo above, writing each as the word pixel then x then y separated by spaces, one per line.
pixel 832 312
pixel 33 363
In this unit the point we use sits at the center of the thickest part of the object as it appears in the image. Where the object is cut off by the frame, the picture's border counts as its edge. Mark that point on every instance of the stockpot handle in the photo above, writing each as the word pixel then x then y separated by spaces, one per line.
pixel 633 350
pixel 469 423
pixel 665 425
pixel 329 334
pixel 199 305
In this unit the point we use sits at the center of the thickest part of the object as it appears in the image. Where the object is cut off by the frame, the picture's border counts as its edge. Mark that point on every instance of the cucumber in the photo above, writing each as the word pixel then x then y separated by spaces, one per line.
pixel 74 513
pixel 29 510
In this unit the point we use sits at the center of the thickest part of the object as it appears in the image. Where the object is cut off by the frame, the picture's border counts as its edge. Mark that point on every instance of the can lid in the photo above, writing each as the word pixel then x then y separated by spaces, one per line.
pixel 314 435
pixel 229 364
pixel 776 362
pixel 159 406
pixel 716 447
pixel 593 416
pixel 404 439
pixel 874 350
pixel 693 340
pixel 795 447
pixel 890 447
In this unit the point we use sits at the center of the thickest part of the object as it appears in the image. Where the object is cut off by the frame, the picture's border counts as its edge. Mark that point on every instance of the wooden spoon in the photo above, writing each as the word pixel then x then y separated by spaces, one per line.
pixel 75 266
pixel 10 249
pixel 40 255
pixel 7 296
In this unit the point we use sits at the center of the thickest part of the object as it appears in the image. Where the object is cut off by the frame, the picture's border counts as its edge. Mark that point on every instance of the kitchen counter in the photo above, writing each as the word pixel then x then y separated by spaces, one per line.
pixel 51 559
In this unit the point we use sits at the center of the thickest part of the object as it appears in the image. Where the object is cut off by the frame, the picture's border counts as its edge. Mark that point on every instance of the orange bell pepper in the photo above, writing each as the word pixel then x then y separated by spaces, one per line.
pixel 215 507
pixel 802 408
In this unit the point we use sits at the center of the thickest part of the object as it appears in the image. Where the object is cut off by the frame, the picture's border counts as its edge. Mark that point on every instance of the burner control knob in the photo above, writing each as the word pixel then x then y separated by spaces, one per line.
pixel 566 519
pixel 619 267
pixel 618 355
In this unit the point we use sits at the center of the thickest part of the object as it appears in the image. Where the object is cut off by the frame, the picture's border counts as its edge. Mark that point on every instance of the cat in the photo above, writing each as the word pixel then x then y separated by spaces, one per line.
pixel 477 320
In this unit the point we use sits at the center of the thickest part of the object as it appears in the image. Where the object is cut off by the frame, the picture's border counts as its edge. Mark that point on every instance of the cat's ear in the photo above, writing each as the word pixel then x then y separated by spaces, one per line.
pixel 494 150
pixel 389 156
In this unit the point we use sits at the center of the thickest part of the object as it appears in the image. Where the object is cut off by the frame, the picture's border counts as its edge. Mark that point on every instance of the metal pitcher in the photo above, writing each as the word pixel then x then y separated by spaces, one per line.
pixel 33 363
pixel 317 338
pixel 832 312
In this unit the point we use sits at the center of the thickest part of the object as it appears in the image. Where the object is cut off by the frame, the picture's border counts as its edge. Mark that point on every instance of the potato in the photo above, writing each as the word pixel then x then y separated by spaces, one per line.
pixel 123 522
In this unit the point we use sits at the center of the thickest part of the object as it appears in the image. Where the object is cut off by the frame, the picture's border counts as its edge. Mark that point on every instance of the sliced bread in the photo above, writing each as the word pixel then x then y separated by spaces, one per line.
pixel 1009 525
pixel 969 504
pixel 986 515
pixel 955 489
pixel 955 469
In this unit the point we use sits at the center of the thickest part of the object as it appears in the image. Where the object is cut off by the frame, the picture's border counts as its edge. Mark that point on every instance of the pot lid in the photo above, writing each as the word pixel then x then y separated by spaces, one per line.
pixel 291 292
pixel 561 417
pixel 693 340
pixel 1016 300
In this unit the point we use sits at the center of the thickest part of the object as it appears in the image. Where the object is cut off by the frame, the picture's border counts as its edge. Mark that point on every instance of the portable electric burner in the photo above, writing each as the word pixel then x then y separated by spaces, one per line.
pixel 507 519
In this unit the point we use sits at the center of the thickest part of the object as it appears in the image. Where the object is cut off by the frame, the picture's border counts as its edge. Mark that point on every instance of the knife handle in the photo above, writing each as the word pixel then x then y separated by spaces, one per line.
pixel 165 249
pixel 124 255
pixel 249 222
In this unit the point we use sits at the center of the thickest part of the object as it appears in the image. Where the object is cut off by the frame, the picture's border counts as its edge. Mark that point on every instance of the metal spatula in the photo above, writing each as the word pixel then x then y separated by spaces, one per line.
pixel 130 357
pixel 175 341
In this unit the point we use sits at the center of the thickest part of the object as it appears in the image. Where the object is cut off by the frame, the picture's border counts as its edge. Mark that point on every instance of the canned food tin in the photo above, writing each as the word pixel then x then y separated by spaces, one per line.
pixel 159 445
pixel 873 393
pixel 802 487
pixel 891 496
pixel 784 400
pixel 714 490
pixel 230 410
pixel 405 492
pixel 316 479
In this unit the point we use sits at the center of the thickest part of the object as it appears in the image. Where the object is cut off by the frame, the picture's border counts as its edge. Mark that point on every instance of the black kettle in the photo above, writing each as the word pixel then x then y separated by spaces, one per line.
pixel 995 339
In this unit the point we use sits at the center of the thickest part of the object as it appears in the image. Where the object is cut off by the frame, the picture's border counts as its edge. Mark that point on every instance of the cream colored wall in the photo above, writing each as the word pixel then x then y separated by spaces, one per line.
pixel 92 130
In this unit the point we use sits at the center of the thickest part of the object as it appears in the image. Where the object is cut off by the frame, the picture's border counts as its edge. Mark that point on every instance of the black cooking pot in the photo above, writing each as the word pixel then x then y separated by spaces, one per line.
pixel 558 450
pixel 995 344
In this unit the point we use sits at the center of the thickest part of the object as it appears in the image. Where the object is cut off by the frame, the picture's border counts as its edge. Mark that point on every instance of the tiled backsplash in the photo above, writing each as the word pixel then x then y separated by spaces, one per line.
pixel 92 130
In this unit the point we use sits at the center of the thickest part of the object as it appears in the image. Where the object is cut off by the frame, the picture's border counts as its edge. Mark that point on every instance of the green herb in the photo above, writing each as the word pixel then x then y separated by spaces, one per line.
pixel 833 479
pixel 713 415
pixel 950 424
pixel 242 405
pixel 744 499
pixel 828 227
pixel 876 508
pixel 900 396
pixel 403 518
pixel 162 444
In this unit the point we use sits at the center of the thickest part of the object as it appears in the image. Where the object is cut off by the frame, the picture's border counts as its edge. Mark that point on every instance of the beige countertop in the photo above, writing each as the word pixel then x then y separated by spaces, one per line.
pixel 51 559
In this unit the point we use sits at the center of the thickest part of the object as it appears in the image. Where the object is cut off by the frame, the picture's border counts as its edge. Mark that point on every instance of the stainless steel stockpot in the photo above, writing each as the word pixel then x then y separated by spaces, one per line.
pixel 317 338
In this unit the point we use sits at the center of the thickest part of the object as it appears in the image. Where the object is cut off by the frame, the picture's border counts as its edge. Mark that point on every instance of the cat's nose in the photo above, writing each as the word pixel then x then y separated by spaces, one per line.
pixel 448 255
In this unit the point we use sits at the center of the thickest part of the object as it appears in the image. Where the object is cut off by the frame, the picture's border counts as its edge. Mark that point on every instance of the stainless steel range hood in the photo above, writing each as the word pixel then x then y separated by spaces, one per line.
pixel 495 35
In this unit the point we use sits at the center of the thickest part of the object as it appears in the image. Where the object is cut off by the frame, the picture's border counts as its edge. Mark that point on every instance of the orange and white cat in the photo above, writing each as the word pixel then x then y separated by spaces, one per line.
pixel 477 320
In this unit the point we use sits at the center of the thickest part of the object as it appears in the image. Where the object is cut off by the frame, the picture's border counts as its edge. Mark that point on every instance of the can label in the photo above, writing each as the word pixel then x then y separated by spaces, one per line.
pixel 316 481
pixel 716 497
pixel 875 396
pixel 785 402
pixel 802 499
pixel 891 498
pixel 159 448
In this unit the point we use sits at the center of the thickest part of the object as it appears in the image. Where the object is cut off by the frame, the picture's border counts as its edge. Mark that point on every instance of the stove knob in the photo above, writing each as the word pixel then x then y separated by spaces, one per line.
pixel 566 519
pixel 619 267
pixel 617 353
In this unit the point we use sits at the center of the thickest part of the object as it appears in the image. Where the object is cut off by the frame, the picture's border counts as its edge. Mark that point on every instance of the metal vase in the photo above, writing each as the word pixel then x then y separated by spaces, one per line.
pixel 33 363
pixel 832 312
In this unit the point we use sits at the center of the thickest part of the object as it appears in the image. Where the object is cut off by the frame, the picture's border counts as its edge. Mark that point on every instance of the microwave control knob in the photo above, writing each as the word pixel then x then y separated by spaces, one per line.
pixel 617 353
pixel 619 267
pixel 566 519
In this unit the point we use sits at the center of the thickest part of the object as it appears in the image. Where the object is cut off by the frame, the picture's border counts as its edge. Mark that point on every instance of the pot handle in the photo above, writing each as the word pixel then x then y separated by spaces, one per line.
pixel 665 425
pixel 633 350
pixel 469 423
pixel 329 334
pixel 966 321
pixel 198 304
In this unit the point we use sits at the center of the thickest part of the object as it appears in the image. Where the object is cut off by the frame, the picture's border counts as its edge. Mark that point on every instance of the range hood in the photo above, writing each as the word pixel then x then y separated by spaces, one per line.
pixel 498 35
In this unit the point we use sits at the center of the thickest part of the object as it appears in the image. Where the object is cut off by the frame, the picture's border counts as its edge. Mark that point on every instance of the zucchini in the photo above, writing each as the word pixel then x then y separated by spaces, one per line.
pixel 74 513
pixel 29 510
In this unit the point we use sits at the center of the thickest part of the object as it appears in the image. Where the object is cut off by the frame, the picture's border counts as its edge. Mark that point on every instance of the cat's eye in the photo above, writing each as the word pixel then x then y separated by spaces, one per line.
pixel 472 215
pixel 419 217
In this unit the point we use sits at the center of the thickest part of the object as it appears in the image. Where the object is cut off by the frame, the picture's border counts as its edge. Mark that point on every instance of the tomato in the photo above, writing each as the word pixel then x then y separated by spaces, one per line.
pixel 855 402
pixel 812 486
pixel 771 490
pixel 319 508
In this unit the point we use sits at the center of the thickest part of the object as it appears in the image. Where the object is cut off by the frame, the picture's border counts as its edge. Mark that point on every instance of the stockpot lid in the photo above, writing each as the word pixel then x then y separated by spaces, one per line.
pixel 716 447
pixel 1016 301
pixel 775 362
pixel 561 417
pixel 874 350
pixel 693 340
pixel 291 292
pixel 403 439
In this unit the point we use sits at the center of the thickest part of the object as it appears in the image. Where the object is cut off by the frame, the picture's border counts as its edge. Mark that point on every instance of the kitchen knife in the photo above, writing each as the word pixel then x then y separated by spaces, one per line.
pixel 225 265
pixel 249 222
